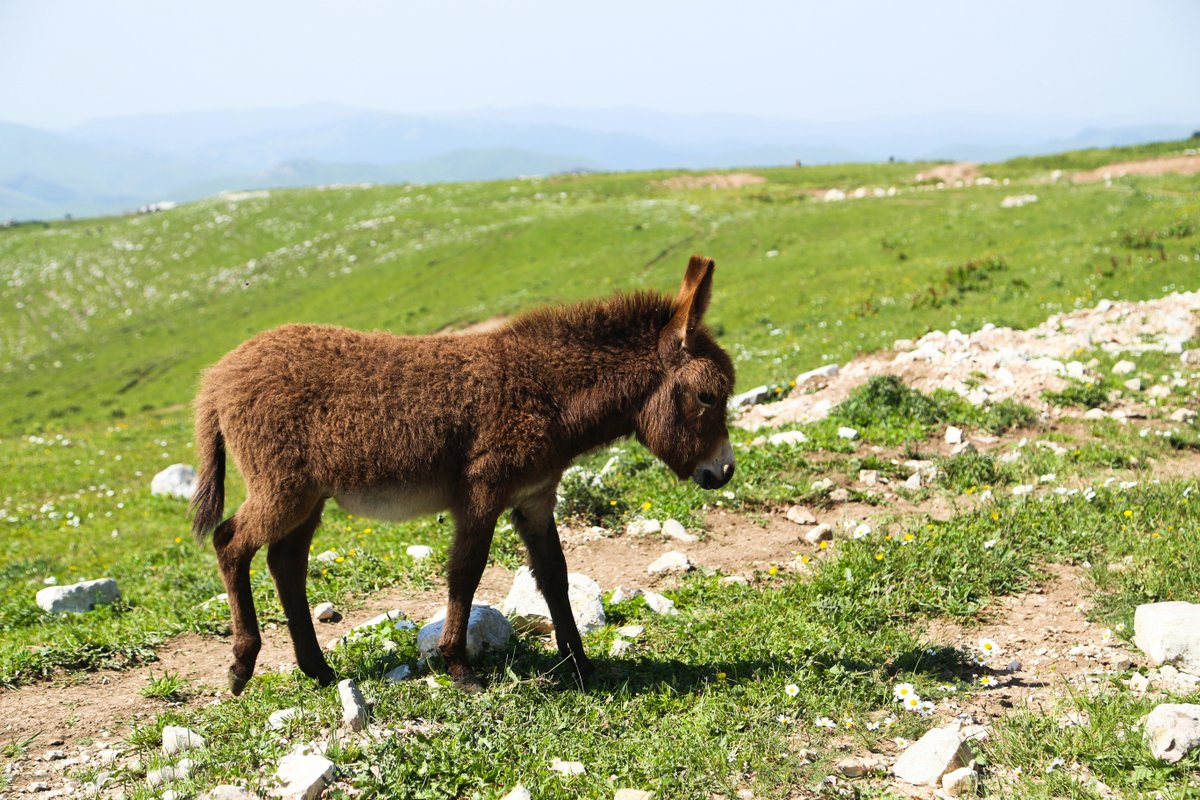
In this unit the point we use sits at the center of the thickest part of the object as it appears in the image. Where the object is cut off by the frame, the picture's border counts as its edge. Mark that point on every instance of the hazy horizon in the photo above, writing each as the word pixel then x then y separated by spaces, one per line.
pixel 1100 64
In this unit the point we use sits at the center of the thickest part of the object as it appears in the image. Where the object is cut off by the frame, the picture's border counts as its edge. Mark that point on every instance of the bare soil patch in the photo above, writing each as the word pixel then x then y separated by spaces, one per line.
pixel 731 180
pixel 1047 633
pixel 965 171
pixel 1166 165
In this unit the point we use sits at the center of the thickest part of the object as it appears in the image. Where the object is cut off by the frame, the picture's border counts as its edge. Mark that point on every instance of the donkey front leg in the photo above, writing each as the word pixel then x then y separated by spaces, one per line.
pixel 288 561
pixel 468 557
pixel 534 521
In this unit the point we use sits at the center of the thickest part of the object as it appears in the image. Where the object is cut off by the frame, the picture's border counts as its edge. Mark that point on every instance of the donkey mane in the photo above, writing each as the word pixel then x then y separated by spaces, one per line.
pixel 625 316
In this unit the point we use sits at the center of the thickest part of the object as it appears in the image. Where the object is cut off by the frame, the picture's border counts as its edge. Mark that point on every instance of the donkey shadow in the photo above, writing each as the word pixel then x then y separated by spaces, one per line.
pixel 650 673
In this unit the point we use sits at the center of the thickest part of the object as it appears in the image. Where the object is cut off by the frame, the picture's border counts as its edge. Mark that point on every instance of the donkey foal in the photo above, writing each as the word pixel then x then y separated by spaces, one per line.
pixel 393 427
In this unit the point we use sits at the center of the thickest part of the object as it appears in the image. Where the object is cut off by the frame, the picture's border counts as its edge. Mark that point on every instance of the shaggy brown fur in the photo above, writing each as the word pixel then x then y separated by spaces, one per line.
pixel 398 426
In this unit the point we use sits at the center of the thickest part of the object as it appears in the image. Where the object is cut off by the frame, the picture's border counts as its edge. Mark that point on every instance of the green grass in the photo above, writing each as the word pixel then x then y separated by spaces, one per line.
pixel 714 677
pixel 104 325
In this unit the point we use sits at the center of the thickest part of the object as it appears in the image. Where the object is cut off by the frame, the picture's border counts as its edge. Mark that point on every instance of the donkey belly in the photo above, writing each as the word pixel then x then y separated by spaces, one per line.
pixel 394 505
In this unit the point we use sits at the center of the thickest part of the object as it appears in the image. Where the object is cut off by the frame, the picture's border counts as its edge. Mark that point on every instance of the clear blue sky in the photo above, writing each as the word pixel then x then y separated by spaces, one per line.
pixel 1098 62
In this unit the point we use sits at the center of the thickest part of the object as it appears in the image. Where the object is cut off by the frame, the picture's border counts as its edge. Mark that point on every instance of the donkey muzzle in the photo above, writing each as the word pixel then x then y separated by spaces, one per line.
pixel 716 472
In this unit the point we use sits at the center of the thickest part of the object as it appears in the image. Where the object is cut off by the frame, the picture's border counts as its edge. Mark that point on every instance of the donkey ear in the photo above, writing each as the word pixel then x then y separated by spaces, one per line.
pixel 692 302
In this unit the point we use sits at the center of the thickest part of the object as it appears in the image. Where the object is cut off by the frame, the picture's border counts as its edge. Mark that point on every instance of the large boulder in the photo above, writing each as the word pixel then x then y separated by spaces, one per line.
pixel 487 628
pixel 78 597
pixel 1169 633
pixel 1172 730
pixel 528 609
pixel 177 480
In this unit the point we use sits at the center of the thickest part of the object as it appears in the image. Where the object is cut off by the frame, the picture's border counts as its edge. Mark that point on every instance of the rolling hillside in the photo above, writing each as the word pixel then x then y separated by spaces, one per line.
pixel 109 317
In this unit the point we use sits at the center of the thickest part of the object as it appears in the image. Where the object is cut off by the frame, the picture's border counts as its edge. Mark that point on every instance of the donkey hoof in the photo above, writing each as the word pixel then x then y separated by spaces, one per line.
pixel 323 676
pixel 236 683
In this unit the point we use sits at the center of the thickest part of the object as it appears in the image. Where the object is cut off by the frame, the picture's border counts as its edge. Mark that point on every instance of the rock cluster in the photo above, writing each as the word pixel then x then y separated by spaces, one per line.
pixel 1020 365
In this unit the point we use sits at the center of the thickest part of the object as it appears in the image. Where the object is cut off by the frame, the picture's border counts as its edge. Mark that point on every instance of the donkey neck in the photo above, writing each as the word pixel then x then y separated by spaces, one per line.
pixel 600 363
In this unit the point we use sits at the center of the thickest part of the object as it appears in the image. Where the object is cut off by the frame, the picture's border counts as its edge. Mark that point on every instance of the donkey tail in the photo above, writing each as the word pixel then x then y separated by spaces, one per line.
pixel 208 501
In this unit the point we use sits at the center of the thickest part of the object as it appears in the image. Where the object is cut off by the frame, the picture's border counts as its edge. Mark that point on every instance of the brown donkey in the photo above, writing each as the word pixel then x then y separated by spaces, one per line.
pixel 393 427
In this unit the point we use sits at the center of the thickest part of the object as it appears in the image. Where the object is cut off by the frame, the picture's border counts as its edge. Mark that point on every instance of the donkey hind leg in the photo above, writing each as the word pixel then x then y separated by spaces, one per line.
pixel 534 521
pixel 234 554
pixel 468 557
pixel 236 540
pixel 288 562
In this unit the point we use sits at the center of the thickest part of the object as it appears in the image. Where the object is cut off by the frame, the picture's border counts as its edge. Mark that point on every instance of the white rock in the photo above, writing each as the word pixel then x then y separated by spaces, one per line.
pixel 279 719
pixel 1095 413
pixel 868 476
pixel 643 527
pixel 619 647
pixel 324 612
pixel 674 561
pixel 567 767
pixel 176 739
pixel 953 435
pixel 960 782
pixel 1133 384
pixel 528 608
pixel 1018 200
pixel 619 595
pixel 659 604
pixel 326 556
pixel 486 628
pixel 633 794
pixel 735 579
pixel 1169 633
pixel 933 755
pixel 673 529
pixel 78 597
pixel 302 777
pixel 1138 683
pixel 631 631
pixel 227 792
pixel 819 533
pixel 170 794
pixel 354 707
pixel 801 516
pixel 178 772
pixel 786 438
pixel 1124 368
pixel 857 766
pixel 847 433
pixel 913 482
pixel 518 792
pixel 400 673
pixel 1159 391
pixel 177 480
pixel 827 371
pixel 1172 730
pixel 1183 415
pixel 750 397
pixel 419 552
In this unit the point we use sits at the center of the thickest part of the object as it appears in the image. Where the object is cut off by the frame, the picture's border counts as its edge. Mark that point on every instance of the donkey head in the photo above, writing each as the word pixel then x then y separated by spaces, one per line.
pixel 683 421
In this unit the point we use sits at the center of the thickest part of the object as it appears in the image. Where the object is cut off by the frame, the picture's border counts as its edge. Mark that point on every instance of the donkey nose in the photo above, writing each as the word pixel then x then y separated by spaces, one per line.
pixel 713 476
pixel 710 478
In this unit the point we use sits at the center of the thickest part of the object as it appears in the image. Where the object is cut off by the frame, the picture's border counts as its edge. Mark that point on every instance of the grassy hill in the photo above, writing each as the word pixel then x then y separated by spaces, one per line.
pixel 108 317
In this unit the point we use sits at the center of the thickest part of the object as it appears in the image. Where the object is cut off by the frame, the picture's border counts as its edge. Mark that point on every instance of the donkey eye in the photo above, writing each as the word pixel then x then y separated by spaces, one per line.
pixel 707 399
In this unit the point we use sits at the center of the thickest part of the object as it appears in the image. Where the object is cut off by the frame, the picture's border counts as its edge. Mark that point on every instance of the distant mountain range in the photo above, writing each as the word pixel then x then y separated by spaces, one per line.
pixel 117 164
